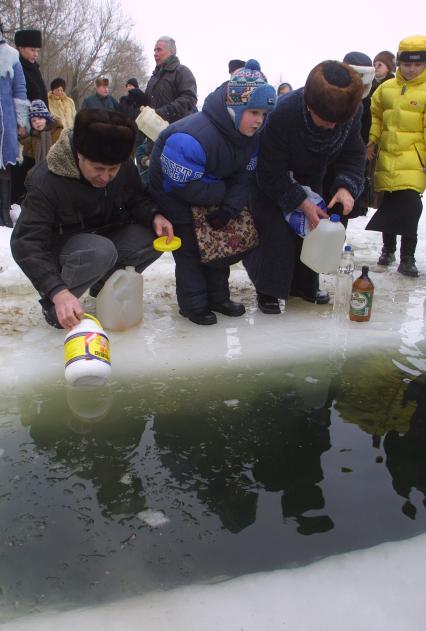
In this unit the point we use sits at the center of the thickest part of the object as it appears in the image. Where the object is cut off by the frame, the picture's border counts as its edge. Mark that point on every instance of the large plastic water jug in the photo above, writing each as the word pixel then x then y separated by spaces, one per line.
pixel 119 304
pixel 86 353
pixel 150 123
pixel 322 247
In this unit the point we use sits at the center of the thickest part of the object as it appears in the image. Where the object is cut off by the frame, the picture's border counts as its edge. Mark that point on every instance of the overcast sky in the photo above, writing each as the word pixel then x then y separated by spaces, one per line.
pixel 288 39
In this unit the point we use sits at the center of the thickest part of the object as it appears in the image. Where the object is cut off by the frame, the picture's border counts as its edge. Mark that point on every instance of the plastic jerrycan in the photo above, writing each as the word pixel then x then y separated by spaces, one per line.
pixel 119 304
pixel 86 354
pixel 322 247
pixel 150 123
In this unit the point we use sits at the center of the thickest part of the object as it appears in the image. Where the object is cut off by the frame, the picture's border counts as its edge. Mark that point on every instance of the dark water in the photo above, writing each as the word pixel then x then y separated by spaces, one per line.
pixel 260 469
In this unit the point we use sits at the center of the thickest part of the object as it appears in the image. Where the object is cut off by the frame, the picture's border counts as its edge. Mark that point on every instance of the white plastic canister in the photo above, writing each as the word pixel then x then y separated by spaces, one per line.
pixel 322 247
pixel 150 123
pixel 119 304
pixel 86 354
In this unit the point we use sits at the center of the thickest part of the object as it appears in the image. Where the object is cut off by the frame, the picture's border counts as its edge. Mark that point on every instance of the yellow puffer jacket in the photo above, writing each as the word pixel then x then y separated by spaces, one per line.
pixel 398 111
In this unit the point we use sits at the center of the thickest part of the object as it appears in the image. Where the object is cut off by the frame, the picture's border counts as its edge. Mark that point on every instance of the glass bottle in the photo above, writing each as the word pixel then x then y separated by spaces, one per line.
pixel 361 298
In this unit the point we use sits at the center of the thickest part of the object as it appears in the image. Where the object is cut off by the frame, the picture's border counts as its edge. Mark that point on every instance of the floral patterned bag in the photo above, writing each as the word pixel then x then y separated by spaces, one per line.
pixel 237 238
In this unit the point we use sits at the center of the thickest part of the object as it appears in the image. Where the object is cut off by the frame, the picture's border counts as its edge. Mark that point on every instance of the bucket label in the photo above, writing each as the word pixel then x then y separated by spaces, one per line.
pixel 87 346
pixel 361 302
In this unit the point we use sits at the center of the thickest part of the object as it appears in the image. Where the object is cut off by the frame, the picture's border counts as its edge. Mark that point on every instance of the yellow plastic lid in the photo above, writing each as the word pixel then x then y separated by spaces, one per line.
pixel 160 244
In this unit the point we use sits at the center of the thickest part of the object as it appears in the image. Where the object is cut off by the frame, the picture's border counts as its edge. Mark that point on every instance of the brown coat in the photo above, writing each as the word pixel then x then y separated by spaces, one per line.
pixel 32 140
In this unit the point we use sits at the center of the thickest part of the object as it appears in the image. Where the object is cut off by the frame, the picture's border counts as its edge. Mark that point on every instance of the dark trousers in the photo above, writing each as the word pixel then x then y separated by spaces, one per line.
pixel 87 258
pixel 197 284
pixel 408 244
pixel 5 193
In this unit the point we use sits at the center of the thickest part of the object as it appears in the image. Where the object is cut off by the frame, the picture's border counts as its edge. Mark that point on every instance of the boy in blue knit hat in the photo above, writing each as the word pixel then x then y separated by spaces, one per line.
pixel 45 131
pixel 206 160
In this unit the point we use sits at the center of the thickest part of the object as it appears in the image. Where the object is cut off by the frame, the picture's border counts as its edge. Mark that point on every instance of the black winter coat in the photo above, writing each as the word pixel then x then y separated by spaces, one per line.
pixel 60 203
pixel 206 161
pixel 172 90
pixel 292 144
pixel 36 88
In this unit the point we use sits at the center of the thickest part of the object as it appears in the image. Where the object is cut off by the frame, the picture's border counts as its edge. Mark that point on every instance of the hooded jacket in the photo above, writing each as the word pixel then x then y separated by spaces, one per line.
pixel 172 90
pixel 60 203
pixel 398 110
pixel 202 160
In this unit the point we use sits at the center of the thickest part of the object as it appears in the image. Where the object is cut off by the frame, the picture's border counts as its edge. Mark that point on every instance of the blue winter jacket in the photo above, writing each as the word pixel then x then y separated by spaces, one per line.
pixel 13 104
pixel 202 160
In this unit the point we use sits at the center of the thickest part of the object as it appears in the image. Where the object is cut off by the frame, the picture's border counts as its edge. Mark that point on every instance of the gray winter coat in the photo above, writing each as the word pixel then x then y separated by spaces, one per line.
pixel 172 90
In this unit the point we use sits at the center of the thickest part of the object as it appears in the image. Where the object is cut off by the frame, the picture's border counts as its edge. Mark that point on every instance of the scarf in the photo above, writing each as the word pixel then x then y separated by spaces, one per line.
pixel 43 145
pixel 321 140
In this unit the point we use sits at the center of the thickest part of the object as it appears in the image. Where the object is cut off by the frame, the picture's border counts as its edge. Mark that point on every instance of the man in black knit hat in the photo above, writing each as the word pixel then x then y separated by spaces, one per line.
pixel 85 215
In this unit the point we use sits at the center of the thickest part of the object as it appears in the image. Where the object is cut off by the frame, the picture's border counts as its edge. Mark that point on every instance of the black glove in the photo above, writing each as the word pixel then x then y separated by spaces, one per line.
pixel 219 218
pixel 138 97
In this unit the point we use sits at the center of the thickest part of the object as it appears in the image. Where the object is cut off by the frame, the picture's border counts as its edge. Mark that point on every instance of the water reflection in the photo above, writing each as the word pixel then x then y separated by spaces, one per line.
pixel 406 452
pixel 165 481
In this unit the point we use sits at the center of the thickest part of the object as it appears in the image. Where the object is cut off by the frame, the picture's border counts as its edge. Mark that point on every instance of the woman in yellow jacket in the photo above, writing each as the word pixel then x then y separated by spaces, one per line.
pixel 398 109
pixel 60 104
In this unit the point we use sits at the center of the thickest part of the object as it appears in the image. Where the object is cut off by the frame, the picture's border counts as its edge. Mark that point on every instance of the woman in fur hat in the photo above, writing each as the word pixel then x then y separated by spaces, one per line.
pixel 309 129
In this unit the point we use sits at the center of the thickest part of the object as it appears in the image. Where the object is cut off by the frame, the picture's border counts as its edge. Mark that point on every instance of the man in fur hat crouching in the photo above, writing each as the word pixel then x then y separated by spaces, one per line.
pixel 85 215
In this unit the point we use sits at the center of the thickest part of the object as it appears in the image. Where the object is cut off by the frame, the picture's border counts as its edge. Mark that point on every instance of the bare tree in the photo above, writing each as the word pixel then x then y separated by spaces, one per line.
pixel 82 39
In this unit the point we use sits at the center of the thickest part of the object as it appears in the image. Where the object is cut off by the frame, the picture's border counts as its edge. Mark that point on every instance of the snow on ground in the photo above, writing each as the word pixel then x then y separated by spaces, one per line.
pixel 380 588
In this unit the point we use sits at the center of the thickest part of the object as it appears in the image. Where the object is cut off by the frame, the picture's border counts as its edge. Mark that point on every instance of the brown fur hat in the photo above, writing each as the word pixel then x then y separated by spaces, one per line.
pixel 104 136
pixel 333 91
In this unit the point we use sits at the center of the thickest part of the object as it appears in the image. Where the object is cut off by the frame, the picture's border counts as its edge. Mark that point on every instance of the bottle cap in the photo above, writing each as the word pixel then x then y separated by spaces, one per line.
pixel 334 217
pixel 348 248
pixel 160 244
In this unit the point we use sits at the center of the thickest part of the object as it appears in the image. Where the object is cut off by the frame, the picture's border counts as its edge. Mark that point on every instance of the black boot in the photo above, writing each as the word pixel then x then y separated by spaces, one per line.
pixel 408 267
pixel 49 312
pixel 204 316
pixel 229 308
pixel 268 304
pixel 386 257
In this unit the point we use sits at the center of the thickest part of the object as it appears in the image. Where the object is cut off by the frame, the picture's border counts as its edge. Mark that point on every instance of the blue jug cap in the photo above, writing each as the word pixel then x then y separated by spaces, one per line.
pixel 348 248
pixel 334 217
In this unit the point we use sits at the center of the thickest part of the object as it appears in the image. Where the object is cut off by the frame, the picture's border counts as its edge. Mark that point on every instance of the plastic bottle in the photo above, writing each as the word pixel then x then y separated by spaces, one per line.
pixel 119 304
pixel 322 247
pixel 344 280
pixel 150 123
pixel 297 219
pixel 362 297
pixel 86 354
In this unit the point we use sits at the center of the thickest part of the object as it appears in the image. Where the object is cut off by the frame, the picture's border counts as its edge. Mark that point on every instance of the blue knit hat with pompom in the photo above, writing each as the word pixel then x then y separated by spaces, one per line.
pixel 248 89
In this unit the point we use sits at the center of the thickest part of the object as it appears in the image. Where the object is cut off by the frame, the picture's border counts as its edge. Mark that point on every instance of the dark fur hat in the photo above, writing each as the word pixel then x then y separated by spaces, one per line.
pixel 104 136
pixel 57 83
pixel 28 38
pixel 333 91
